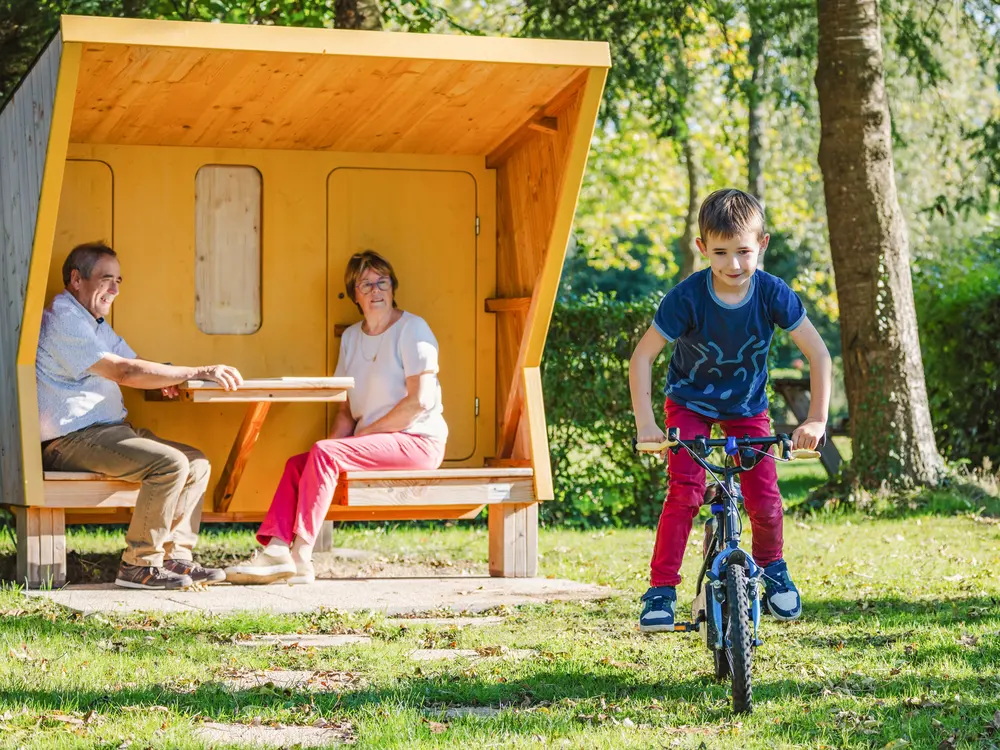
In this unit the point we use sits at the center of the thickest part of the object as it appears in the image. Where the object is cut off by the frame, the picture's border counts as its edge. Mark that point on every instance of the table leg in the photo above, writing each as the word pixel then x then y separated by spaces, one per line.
pixel 238 455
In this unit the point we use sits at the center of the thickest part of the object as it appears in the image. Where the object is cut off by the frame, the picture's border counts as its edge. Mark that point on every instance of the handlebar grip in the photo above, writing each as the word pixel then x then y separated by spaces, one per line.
pixel 803 453
pixel 655 447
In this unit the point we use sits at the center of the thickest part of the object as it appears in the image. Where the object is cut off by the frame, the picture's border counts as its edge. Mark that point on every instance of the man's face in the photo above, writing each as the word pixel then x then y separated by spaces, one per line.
pixel 99 291
pixel 733 260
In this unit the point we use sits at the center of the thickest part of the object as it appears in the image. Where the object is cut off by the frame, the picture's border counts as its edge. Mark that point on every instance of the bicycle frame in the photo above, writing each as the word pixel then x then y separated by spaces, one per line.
pixel 728 525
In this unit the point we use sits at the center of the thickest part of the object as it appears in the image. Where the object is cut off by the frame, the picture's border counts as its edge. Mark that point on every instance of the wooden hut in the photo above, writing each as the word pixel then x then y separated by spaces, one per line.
pixel 235 169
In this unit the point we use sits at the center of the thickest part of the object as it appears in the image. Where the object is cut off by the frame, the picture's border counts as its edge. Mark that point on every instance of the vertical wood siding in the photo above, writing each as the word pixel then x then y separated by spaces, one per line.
pixel 24 136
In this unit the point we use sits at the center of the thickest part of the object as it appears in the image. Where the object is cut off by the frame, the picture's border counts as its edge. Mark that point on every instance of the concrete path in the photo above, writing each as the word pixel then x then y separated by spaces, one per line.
pixel 393 596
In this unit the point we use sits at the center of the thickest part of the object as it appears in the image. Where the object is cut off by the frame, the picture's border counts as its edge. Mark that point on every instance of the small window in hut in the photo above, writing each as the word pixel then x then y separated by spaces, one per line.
pixel 227 249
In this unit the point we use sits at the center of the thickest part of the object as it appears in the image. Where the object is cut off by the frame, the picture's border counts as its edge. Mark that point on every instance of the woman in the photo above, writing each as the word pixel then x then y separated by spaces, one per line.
pixel 391 420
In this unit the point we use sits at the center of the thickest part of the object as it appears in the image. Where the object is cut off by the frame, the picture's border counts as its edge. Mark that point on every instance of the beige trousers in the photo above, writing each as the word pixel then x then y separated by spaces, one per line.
pixel 173 476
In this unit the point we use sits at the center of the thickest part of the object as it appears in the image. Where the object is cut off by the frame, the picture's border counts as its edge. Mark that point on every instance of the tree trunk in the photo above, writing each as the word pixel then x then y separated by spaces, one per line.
pixel 688 248
pixel 883 371
pixel 755 109
pixel 358 14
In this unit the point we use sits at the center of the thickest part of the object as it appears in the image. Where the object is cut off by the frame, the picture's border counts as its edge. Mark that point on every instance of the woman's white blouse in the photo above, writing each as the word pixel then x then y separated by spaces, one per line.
pixel 380 365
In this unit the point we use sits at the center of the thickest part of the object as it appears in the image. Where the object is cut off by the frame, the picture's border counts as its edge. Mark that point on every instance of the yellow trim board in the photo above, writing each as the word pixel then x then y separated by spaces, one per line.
pixel 38 271
pixel 538 439
pixel 300 41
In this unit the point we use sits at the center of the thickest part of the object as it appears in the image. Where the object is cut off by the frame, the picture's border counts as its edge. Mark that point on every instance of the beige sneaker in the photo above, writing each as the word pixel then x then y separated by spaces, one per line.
pixel 262 568
pixel 304 575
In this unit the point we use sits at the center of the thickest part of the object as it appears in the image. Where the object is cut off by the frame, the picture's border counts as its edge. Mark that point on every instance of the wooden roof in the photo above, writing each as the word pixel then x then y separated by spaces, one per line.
pixel 233 86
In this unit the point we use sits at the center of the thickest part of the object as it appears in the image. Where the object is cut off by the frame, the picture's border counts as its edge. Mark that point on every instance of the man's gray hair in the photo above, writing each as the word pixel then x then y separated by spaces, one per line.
pixel 83 258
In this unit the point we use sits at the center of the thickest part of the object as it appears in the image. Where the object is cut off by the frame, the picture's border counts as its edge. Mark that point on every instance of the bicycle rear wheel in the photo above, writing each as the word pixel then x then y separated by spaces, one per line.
pixel 739 635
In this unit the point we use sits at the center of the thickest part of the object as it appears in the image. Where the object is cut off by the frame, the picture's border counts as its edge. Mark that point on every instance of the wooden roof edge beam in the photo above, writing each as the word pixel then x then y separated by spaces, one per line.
pixel 311 41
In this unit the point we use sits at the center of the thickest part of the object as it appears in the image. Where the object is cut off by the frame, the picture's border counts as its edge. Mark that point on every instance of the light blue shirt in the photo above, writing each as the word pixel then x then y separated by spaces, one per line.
pixel 70 343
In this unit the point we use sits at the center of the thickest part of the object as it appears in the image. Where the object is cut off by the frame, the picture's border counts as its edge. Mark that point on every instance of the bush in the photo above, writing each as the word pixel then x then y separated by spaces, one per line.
pixel 598 479
pixel 958 309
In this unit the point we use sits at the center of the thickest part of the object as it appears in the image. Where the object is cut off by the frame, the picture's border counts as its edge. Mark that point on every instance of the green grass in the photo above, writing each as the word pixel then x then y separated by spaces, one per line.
pixel 899 642
pixel 899 646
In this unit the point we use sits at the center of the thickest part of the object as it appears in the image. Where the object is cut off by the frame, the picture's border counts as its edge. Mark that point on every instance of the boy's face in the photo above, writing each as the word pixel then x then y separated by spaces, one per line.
pixel 733 260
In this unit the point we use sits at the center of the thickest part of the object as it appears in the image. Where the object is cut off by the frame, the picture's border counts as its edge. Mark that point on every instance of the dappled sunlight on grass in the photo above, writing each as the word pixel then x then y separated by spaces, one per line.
pixel 900 640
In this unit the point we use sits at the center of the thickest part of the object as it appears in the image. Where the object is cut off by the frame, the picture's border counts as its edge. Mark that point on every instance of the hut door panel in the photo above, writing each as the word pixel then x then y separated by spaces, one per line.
pixel 424 223
pixel 85 215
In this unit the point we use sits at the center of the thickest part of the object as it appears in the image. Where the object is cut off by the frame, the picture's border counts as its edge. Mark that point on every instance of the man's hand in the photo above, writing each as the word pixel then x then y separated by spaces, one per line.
pixel 228 377
pixel 807 435
pixel 171 391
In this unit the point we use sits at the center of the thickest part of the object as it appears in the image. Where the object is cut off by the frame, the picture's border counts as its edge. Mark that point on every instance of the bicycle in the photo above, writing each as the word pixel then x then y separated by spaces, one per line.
pixel 729 620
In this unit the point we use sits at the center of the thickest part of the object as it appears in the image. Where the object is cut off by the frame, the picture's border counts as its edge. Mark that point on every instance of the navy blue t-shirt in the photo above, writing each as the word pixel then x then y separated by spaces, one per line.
pixel 719 364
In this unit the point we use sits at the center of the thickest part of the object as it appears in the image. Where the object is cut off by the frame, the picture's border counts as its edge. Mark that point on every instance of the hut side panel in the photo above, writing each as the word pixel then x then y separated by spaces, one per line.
pixel 24 136
pixel 528 187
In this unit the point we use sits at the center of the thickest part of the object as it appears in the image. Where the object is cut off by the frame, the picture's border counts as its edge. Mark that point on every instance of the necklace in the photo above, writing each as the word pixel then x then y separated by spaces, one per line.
pixel 378 348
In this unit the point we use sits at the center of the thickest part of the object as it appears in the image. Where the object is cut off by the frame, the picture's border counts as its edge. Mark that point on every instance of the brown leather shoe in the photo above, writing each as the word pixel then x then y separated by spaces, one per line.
pixel 197 573
pixel 147 577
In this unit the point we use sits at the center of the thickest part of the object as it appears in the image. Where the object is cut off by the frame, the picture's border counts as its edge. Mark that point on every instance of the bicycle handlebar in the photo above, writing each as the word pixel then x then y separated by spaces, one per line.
pixel 703 446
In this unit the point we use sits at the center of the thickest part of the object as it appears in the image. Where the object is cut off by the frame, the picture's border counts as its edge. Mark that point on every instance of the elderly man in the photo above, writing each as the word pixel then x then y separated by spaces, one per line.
pixel 81 364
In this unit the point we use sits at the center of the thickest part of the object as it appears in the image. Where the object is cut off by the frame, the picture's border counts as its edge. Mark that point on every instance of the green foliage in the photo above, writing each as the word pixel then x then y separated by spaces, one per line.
pixel 958 306
pixel 599 480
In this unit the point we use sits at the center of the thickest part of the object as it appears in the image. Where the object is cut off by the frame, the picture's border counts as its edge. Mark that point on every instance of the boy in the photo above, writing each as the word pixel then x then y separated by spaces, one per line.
pixel 721 321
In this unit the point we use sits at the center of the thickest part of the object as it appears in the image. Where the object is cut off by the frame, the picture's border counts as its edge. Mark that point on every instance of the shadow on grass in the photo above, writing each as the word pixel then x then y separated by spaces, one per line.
pixel 893 706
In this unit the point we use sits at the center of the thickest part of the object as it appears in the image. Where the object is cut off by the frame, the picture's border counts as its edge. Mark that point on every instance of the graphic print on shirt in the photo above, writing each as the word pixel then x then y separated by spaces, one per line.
pixel 757 361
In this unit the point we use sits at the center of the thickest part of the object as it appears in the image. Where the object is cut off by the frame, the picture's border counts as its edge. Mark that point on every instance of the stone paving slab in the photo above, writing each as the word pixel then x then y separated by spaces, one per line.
pixel 312 640
pixel 259 736
pixel 392 596
pixel 437 654
pixel 461 712
pixel 291 679
pixel 458 622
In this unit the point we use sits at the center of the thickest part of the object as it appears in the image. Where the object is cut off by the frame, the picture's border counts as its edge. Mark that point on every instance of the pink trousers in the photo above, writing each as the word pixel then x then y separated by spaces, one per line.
pixel 306 488
pixel 686 492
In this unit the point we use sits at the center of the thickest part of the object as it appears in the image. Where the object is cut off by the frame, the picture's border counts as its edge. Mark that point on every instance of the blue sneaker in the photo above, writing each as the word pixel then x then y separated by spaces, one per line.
pixel 781 598
pixel 658 610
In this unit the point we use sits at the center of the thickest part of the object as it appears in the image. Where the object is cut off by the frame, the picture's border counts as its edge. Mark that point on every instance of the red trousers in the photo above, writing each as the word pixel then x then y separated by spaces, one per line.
pixel 686 491
pixel 306 489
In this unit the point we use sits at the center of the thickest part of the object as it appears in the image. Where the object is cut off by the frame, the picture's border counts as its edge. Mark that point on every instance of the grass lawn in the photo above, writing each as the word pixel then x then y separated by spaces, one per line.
pixel 899 646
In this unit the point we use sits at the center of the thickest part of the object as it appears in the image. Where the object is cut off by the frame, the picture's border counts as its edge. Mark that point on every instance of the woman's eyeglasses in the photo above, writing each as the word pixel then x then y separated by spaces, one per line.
pixel 367 287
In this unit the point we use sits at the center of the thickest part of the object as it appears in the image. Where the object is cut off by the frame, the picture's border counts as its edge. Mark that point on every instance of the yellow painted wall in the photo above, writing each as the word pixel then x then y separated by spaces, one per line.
pixel 378 209
pixel 154 236
pixel 85 215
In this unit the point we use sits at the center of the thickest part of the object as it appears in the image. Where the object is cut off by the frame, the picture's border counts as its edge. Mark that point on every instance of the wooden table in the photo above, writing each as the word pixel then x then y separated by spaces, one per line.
pixel 258 394
pixel 795 392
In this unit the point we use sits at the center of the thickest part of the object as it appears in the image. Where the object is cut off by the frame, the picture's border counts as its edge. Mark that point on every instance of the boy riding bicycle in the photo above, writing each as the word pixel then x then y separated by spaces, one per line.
pixel 721 321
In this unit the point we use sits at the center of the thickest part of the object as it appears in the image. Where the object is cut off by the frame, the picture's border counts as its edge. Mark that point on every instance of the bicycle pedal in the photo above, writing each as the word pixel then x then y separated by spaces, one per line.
pixel 686 627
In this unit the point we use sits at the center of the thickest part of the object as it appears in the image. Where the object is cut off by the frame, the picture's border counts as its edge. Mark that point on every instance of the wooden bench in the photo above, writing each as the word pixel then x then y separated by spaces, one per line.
pixel 41 529
pixel 509 492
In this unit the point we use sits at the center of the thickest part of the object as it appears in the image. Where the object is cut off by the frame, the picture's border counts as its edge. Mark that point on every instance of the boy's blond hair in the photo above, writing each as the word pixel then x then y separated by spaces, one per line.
pixel 730 212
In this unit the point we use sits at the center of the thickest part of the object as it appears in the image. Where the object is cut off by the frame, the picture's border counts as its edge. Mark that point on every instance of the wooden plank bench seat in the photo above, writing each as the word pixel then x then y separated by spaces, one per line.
pixel 484 486
pixel 84 489
pixel 509 492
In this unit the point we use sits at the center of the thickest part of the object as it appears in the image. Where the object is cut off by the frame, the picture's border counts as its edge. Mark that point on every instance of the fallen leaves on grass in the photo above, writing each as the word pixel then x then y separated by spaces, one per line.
pixel 436 727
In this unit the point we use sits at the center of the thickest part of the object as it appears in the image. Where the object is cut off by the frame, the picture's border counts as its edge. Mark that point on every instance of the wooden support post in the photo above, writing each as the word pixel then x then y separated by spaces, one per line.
pixel 513 531
pixel 324 542
pixel 41 547
pixel 238 455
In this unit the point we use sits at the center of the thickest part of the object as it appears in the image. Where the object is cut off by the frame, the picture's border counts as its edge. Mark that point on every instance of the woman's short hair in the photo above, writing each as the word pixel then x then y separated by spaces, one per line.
pixel 83 258
pixel 359 264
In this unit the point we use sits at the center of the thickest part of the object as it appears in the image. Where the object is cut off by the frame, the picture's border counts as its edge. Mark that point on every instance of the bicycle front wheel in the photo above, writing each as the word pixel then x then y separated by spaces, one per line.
pixel 740 638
